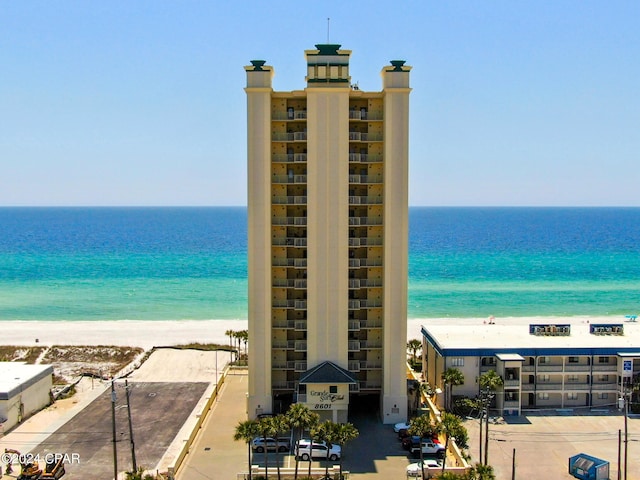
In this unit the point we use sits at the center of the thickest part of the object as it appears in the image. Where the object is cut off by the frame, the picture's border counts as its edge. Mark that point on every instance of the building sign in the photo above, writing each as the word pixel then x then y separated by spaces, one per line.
pixel 324 400
pixel 627 368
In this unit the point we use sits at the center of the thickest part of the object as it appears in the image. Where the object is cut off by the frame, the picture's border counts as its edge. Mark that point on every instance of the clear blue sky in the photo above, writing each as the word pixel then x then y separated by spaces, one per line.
pixel 142 102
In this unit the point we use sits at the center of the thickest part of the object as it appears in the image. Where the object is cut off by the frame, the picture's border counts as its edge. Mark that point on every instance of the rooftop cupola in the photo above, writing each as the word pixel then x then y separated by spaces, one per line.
pixel 328 66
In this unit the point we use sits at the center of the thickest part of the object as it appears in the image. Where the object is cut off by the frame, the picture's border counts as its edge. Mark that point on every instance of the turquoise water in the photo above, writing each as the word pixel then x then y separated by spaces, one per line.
pixel 191 263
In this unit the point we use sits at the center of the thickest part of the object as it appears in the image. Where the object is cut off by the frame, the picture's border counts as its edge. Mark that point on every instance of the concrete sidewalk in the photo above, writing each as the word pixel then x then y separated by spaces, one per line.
pixel 214 454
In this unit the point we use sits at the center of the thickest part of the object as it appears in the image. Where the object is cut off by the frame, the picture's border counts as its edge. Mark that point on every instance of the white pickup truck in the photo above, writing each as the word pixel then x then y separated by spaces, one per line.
pixel 428 448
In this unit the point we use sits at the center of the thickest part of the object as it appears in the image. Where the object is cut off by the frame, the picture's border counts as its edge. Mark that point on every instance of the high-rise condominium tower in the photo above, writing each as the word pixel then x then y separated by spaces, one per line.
pixel 328 235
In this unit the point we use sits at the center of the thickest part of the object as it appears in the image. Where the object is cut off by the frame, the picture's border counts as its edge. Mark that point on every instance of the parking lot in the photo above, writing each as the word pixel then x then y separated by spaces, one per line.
pixel 543 443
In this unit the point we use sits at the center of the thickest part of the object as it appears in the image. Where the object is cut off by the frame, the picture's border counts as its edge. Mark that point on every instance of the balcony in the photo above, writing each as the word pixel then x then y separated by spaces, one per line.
pixel 577 368
pixel 300 325
pixel 282 323
pixel 365 242
pixel 364 283
pixel 365 200
pixel 363 179
pixel 576 386
pixel 300 346
pixel 364 221
pixel 290 137
pixel 290 114
pixel 543 386
pixel 282 344
pixel 364 158
pixel 370 385
pixel 512 383
pixel 300 366
pixel 289 221
pixel 364 115
pixel 289 262
pixel 289 179
pixel 365 137
pixel 605 386
pixel 354 365
pixel 606 368
pixel 291 200
pixel 354 325
pixel 295 304
pixel 289 242
pixel 364 262
pixel 511 404
pixel 353 346
pixel 289 283
pixel 358 304
pixel 549 368
pixel 289 157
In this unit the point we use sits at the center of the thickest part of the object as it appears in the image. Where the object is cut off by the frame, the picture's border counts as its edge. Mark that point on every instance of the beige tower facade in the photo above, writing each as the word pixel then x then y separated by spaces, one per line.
pixel 328 239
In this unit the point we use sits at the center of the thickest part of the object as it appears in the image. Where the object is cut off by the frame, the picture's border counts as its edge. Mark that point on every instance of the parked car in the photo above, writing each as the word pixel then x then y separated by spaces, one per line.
pixel 415 469
pixel 401 426
pixel 429 447
pixel 321 450
pixel 411 442
pixel 260 444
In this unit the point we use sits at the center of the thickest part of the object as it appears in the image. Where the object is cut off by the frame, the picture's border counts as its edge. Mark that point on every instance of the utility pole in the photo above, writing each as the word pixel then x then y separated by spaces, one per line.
pixel 513 465
pixel 619 454
pixel 481 417
pixel 133 445
pixel 113 423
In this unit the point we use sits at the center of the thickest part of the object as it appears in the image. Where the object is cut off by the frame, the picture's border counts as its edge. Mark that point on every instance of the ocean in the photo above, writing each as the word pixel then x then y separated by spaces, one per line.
pixel 191 263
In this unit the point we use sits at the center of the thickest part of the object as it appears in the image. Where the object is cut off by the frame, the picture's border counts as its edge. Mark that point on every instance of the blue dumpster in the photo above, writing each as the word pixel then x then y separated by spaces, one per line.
pixel 586 467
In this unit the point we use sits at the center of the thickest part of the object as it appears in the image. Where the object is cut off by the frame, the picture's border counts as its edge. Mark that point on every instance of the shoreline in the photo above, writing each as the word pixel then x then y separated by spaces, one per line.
pixel 159 333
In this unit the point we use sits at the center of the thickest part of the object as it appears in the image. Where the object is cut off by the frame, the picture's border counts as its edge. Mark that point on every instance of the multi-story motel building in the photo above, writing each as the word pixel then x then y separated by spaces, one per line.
pixel 328 239
pixel 578 364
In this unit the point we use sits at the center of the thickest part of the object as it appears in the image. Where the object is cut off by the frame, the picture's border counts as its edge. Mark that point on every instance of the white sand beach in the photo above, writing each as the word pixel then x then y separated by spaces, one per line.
pixel 155 333
pixel 133 333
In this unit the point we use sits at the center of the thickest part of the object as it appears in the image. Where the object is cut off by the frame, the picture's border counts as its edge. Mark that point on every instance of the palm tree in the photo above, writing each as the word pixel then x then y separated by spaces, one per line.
pixel 423 428
pixel 481 472
pixel 490 381
pixel 246 431
pixel 322 433
pixel 450 424
pixel 243 335
pixel 265 429
pixel 422 388
pixel 341 434
pixel 451 378
pixel 413 346
pixel 229 333
pixel 279 424
pixel 299 418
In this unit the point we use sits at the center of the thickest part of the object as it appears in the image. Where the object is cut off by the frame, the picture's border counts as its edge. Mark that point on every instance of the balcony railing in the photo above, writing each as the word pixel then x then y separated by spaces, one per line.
pixel 606 368
pixel 289 137
pixel 605 386
pixel 300 325
pixel 549 368
pixel 364 221
pixel 289 242
pixel 283 385
pixel 364 262
pixel 365 242
pixel 365 158
pixel 577 368
pixel 354 325
pixel 300 346
pixel 377 200
pixel 512 383
pixel 289 179
pixel 364 283
pixel 289 157
pixel 358 304
pixel 364 137
pixel 364 115
pixel 289 262
pixel 541 386
pixel 290 200
pixel 289 283
pixel 289 221
pixel 290 115
pixel 365 179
